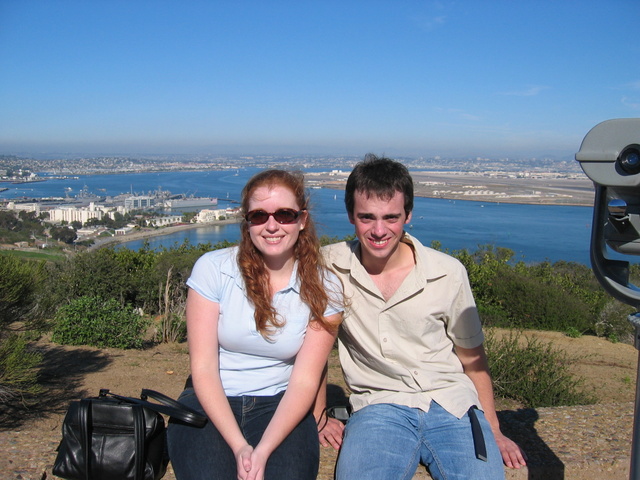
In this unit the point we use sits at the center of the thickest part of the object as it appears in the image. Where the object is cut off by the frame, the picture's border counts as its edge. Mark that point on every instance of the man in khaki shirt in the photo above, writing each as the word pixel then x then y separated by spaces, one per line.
pixel 410 348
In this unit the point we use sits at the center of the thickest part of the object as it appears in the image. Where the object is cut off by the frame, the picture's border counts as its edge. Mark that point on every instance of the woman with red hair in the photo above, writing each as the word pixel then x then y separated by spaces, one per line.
pixel 262 318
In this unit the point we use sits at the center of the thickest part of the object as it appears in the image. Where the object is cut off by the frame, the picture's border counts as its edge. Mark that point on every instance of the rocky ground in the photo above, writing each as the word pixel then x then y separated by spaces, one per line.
pixel 568 442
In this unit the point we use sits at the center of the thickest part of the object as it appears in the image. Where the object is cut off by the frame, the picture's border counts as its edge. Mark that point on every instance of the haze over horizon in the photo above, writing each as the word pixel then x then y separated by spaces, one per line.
pixel 408 78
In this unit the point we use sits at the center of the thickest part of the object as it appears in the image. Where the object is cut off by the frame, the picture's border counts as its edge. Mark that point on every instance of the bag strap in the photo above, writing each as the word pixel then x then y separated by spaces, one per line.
pixel 84 410
pixel 139 436
pixel 168 406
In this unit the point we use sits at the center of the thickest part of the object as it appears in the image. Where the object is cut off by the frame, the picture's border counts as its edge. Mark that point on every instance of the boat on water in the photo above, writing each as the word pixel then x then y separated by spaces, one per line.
pixel 85 195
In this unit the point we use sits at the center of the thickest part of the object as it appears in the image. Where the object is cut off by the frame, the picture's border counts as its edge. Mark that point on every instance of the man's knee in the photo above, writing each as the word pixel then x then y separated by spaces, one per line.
pixel 379 442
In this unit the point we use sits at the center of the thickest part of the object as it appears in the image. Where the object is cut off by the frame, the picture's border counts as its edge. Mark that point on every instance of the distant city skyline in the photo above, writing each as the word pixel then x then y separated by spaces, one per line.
pixel 411 78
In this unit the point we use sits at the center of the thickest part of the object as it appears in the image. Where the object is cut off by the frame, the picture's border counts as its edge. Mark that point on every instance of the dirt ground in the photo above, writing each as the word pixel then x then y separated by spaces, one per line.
pixel 70 373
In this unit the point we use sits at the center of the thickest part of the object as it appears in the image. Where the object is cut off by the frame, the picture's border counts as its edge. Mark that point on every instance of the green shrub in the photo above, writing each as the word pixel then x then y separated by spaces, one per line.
pixel 173 326
pixel 533 373
pixel 18 367
pixel 535 304
pixel 493 315
pixel 136 278
pixel 19 287
pixel 99 323
pixel 613 322
pixel 573 332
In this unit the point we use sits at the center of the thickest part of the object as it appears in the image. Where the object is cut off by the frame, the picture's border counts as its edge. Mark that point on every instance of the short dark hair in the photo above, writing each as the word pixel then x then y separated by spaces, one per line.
pixel 379 176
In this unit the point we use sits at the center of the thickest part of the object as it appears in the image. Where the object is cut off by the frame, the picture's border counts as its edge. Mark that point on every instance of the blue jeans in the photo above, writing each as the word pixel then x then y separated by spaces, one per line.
pixel 202 453
pixel 387 441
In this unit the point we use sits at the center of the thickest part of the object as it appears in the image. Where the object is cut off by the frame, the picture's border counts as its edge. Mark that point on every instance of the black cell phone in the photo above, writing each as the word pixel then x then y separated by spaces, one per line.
pixel 339 412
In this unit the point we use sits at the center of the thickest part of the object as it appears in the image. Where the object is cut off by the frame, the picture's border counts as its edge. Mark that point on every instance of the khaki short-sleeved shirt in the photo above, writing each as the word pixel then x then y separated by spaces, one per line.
pixel 401 351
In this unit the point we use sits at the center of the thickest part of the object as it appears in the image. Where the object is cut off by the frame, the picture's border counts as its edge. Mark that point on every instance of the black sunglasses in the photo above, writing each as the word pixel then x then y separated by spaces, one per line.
pixel 284 216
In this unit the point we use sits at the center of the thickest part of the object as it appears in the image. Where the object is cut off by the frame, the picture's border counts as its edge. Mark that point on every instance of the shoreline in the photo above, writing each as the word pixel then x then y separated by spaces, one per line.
pixel 154 232
pixel 577 192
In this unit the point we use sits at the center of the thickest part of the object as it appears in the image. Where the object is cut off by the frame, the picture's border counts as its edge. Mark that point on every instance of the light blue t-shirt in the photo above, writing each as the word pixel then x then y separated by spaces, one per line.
pixel 250 364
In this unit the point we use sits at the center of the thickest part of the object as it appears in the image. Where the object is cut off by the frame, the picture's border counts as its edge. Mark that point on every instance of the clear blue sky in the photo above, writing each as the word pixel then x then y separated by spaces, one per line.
pixel 451 78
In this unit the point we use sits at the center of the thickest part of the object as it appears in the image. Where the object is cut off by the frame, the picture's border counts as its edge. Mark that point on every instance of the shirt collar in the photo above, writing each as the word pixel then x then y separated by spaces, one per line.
pixel 427 266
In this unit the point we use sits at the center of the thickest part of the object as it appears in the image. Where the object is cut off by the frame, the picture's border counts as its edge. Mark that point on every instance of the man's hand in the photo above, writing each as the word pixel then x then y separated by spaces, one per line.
pixel 331 433
pixel 512 454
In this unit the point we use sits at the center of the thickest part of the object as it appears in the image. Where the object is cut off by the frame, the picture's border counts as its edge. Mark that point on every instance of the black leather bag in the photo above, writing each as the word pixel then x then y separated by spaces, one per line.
pixel 114 437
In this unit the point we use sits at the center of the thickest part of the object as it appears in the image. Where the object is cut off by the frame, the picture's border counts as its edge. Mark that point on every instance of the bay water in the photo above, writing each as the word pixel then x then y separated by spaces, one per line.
pixel 534 232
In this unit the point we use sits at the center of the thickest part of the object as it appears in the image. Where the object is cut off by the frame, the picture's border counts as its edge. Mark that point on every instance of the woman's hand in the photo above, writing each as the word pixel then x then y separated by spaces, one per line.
pixel 243 461
pixel 252 463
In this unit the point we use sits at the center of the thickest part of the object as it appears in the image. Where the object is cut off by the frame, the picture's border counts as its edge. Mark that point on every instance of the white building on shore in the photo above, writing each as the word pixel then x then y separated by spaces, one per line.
pixel 24 207
pixel 164 221
pixel 208 215
pixel 83 214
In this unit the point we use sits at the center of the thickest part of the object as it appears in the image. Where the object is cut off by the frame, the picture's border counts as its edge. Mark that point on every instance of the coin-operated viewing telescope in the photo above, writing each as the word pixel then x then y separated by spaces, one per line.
pixel 610 156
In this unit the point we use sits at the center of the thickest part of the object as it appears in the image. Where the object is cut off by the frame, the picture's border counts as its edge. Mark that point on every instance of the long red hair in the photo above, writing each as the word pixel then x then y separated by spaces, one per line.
pixel 311 267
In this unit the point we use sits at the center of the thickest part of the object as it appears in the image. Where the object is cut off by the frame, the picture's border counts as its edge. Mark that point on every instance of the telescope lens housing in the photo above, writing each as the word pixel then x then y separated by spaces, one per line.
pixel 629 160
